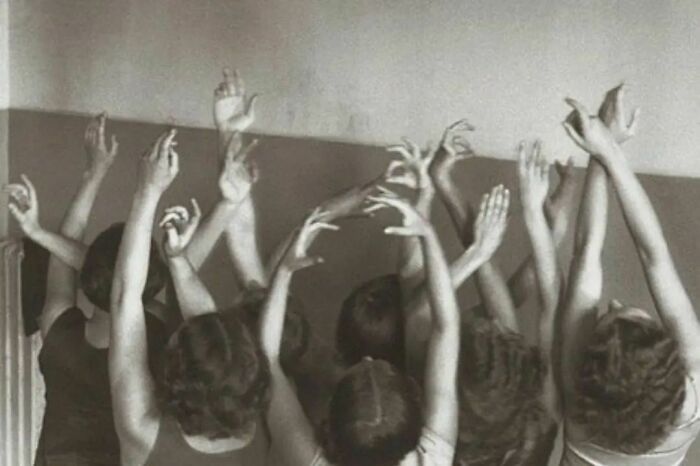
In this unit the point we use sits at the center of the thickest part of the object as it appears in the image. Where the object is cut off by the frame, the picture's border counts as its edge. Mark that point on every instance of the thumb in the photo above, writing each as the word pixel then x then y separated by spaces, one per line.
pixel 250 108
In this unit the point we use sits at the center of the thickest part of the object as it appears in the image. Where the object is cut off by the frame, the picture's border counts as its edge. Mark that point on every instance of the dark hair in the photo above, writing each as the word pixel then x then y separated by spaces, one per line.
pixel 295 335
pixel 500 382
pixel 375 416
pixel 371 322
pixel 98 268
pixel 215 379
pixel 630 386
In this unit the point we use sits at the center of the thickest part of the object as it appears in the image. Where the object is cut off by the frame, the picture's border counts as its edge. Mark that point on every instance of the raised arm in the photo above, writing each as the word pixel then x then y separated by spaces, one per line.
pixel 412 171
pixel 487 238
pixel 135 408
pixel 490 282
pixel 66 253
pixel 237 177
pixel 290 429
pixel 585 283
pixel 234 113
pixel 672 301
pixel 533 173
pixel 440 380
pixel 192 295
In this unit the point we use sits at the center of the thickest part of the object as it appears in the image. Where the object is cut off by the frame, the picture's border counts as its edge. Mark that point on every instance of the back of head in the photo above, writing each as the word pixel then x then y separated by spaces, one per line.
pixel 296 331
pixel 98 268
pixel 630 386
pixel 375 416
pixel 215 379
pixel 500 382
pixel 371 322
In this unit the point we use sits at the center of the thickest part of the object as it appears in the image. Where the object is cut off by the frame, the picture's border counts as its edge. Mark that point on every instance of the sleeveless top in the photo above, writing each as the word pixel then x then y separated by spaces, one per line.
pixel 670 453
pixel 171 449
pixel 78 426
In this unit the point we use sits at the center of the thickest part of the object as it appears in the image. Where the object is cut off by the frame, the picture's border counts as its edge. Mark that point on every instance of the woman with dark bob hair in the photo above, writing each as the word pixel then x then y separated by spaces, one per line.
pixel 631 384
pixel 376 414
pixel 205 405
pixel 78 426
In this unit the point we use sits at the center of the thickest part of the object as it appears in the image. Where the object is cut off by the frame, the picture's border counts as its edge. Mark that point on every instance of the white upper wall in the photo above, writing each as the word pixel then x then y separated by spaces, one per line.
pixel 369 71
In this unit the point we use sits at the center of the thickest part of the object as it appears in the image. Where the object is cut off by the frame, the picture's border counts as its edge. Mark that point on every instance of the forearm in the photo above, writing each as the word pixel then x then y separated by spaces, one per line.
pixel 544 255
pixel 637 209
pixel 131 269
pixel 445 312
pixel 242 242
pixel 69 251
pixel 411 266
pixel 78 214
pixel 272 316
pixel 209 232
pixel 193 297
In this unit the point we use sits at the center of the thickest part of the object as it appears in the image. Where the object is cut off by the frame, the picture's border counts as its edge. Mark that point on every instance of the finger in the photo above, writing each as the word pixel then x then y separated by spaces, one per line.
pixel 250 108
pixel 180 211
pixel 169 218
pixel 238 83
pixel 580 110
pixel 522 157
pixel 167 144
pixel 393 166
pixel 101 123
pixel 634 121
pixel 403 180
pixel 573 134
pixel 374 207
pixel 401 150
pixel 31 190
pixel 173 162
pixel 306 262
pixel 398 231
pixel 229 86
pixel 326 226
pixel 114 147
pixel 196 210
pixel 461 125
pixel 242 156
pixel 415 149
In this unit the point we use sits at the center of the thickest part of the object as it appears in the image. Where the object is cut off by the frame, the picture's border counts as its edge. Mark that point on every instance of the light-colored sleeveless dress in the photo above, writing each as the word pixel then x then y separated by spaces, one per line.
pixel 670 453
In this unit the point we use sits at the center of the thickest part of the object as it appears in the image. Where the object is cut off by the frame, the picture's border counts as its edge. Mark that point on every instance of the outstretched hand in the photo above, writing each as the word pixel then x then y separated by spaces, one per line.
pixel 588 131
pixel 179 228
pixel 490 224
pixel 159 165
pixel 99 156
pixel 24 205
pixel 414 224
pixel 533 173
pixel 232 111
pixel 238 174
pixel 412 169
pixel 296 257
pixel 612 113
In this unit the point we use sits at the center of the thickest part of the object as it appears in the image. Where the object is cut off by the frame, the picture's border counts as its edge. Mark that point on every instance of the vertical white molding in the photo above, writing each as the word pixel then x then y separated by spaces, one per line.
pixel 18 391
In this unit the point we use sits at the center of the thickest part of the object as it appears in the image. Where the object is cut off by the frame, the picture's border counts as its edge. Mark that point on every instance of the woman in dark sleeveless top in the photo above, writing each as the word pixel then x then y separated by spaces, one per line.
pixel 78 428
pixel 203 406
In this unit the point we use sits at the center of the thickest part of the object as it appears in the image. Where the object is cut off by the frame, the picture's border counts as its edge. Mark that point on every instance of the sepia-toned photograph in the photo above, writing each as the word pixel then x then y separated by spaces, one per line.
pixel 349 232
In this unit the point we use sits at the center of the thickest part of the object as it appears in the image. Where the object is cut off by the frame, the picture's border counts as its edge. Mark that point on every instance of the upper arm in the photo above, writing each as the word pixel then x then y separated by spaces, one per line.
pixel 675 308
pixel 136 414
pixel 290 429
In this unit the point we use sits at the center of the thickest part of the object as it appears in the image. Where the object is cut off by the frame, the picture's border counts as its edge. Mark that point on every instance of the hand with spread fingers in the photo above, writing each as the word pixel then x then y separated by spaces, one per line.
pixel 533 173
pixel 412 170
pixel 232 111
pixel 99 156
pixel 159 165
pixel 296 257
pixel 491 222
pixel 588 131
pixel 238 173
pixel 179 228
pixel 414 224
pixel 24 205
pixel 612 113
pixel 453 148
